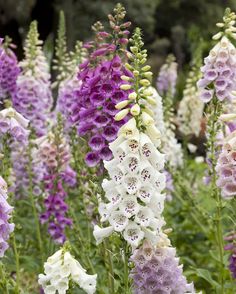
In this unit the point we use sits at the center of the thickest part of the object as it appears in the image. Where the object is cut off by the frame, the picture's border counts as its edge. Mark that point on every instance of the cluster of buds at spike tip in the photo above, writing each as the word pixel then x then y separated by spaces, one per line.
pixel 140 96
pixel 33 98
pixel 218 73
pixel 190 111
pixel 227 27
pixel 166 81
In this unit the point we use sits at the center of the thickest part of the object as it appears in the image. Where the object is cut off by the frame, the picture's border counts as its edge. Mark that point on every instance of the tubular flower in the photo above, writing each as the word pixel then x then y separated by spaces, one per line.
pixel 166 81
pixel 20 173
pixel 60 269
pixel 219 69
pixel 226 167
pixel 99 90
pixel 157 270
pixel 14 124
pixel 133 195
pixel 33 97
pixel 5 227
pixel 134 199
pixel 190 109
pixel 231 246
pixel 55 154
pixel 170 146
pixel 9 71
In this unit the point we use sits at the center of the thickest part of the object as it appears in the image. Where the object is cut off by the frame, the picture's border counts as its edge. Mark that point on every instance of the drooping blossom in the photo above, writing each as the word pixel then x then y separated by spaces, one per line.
pixel 55 155
pixel 219 68
pixel 20 171
pixel 67 98
pixel 231 246
pixel 157 270
pixel 5 213
pixel 169 185
pixel 225 167
pixel 99 89
pixel 67 66
pixel 134 199
pixel 9 71
pixel 166 81
pixel 14 124
pixel 170 146
pixel 60 270
pixel 190 111
pixel 33 97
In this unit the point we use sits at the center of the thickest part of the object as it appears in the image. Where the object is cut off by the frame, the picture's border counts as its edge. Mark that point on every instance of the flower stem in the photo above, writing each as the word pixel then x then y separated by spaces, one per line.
pixel 17 290
pixel 31 196
pixel 110 267
pixel 126 268
pixel 213 128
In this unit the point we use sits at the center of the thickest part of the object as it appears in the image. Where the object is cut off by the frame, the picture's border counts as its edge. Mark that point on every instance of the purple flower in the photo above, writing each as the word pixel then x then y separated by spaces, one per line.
pixel 157 270
pixel 231 246
pixel 5 210
pixel 9 71
pixel 33 97
pixel 166 81
pixel 219 72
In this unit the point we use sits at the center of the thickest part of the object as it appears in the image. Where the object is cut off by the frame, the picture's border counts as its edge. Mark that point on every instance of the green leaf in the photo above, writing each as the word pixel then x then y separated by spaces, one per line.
pixel 206 275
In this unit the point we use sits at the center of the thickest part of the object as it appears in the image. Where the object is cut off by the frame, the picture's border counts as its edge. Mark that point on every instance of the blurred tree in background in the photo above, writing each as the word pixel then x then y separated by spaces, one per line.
pixel 168 26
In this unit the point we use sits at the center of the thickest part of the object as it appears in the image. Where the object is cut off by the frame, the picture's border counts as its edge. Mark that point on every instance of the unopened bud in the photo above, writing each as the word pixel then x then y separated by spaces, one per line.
pixel 132 96
pixel 121 114
pixel 122 104
pixel 125 87
pixel 135 109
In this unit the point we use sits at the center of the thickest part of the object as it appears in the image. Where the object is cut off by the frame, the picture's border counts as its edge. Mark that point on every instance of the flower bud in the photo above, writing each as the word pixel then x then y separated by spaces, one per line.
pixel 145 82
pixel 146 68
pixel 148 74
pixel 122 104
pixel 151 100
pixel 134 49
pixel 132 96
pixel 217 36
pixel 135 109
pixel 136 73
pixel 147 119
pixel 228 117
pixel 125 87
pixel 128 66
pixel 125 78
pixel 121 114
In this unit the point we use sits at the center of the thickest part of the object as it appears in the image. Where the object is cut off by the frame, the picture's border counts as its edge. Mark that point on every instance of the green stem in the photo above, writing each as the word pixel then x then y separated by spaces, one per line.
pixel 32 200
pixel 17 265
pixel 213 129
pixel 4 280
pixel 109 262
pixel 126 268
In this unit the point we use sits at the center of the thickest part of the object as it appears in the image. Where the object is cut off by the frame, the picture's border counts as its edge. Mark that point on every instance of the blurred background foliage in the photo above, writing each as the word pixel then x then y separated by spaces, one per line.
pixel 168 25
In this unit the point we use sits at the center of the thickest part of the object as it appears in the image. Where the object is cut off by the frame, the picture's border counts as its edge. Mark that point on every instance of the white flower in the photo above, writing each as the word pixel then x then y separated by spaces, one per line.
pixel 129 206
pixel 133 234
pixel 119 221
pixel 60 268
pixel 101 233
pixel 133 200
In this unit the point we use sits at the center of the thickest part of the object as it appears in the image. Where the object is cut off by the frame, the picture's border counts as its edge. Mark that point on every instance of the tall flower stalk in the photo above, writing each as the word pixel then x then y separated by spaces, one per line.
pixel 134 198
pixel 217 86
